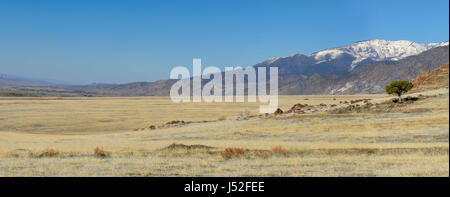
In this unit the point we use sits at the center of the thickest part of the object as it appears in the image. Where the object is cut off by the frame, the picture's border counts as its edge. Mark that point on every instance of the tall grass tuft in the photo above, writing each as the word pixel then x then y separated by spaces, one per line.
pixel 101 153
pixel 278 150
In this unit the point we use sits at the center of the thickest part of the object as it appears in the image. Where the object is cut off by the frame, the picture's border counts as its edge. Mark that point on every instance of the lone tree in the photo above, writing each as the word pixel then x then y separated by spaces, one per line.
pixel 399 88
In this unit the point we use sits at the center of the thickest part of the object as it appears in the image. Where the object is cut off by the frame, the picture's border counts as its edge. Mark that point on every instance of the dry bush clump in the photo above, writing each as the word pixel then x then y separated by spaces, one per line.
pixel 101 153
pixel 278 150
pixel 233 152
pixel 222 117
pixel 70 154
pixel 49 152
pixel 145 174
pixel 244 115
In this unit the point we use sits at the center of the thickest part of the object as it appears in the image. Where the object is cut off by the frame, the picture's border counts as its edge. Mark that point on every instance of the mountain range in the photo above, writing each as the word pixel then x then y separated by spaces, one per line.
pixel 362 67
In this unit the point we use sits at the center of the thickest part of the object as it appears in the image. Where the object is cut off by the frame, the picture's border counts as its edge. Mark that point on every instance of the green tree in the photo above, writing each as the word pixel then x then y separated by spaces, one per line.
pixel 399 88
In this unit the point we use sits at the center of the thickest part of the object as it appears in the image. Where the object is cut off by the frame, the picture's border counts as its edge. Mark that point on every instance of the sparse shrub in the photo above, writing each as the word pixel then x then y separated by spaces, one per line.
pixel 278 150
pixel 371 151
pixel 244 115
pixel 233 152
pixel 100 152
pixel 145 174
pixel 70 154
pixel 399 88
pixel 263 153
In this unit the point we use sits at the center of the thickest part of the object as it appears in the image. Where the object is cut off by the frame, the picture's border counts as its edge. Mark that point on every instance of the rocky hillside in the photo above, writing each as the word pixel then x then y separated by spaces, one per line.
pixel 430 80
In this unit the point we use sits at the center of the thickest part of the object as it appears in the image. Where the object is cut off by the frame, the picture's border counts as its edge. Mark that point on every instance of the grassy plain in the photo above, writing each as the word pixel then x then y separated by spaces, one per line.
pixel 57 137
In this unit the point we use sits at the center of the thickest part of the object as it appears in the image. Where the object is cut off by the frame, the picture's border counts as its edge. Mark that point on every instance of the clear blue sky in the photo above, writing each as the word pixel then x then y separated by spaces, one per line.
pixel 124 41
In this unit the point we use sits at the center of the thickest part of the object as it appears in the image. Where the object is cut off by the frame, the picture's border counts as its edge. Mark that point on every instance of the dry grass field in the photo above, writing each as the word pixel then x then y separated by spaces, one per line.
pixel 110 137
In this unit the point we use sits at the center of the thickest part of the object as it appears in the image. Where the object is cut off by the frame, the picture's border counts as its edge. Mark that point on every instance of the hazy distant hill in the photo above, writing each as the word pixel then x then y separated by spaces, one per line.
pixel 21 86
pixel 15 80
pixel 157 88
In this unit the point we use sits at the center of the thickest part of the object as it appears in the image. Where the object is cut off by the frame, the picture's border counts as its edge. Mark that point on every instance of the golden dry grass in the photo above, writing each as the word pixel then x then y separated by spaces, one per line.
pixel 106 115
pixel 409 142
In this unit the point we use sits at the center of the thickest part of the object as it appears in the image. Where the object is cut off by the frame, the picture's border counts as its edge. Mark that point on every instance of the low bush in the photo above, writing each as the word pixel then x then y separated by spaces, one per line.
pixel 46 153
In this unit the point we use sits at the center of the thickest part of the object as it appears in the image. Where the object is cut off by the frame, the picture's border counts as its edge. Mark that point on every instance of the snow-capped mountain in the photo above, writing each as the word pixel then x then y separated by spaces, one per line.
pixel 369 77
pixel 365 66
pixel 347 58
pixel 375 50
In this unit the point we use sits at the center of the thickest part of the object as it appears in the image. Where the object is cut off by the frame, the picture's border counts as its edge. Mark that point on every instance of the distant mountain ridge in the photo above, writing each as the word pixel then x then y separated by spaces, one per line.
pixel 362 67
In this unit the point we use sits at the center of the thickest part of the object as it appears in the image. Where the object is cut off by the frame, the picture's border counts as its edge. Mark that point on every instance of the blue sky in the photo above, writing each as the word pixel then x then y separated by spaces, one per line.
pixel 124 41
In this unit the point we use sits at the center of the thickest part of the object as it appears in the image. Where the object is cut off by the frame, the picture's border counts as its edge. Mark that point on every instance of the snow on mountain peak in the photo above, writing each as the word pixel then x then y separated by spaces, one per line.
pixel 376 50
